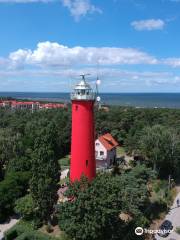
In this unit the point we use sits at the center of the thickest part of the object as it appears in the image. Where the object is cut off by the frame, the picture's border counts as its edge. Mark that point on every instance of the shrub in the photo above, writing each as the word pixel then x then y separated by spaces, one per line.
pixel 24 231
pixel 12 187
pixel 33 236
pixel 17 230
pixel 64 236
pixel 11 234
pixel 64 161
pixel 25 236
pixel 24 207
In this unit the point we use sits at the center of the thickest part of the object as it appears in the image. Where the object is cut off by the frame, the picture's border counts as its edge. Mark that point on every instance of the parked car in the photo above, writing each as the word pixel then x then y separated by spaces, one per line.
pixel 165 228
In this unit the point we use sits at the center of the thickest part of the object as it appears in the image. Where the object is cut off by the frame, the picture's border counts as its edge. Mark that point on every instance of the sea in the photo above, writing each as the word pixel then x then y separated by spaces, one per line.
pixel 138 100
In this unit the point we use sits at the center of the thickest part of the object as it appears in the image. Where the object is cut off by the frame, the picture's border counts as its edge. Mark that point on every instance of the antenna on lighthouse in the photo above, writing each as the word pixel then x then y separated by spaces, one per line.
pixel 84 75
pixel 98 82
pixel 98 98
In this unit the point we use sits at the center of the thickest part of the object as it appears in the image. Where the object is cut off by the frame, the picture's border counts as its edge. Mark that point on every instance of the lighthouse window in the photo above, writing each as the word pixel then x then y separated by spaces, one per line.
pixel 76 107
pixel 86 163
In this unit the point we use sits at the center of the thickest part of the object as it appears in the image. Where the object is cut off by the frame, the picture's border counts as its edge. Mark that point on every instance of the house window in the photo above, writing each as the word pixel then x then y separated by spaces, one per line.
pixel 97 144
pixel 86 163
pixel 101 153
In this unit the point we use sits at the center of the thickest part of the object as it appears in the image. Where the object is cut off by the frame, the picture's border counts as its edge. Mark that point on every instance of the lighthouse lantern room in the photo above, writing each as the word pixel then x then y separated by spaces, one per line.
pixel 82 138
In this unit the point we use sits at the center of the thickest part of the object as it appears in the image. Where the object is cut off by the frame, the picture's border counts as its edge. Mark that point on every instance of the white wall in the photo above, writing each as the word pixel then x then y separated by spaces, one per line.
pixel 99 147
pixel 109 156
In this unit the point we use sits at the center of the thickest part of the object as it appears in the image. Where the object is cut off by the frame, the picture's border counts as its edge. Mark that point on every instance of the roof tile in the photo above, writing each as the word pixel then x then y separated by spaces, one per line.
pixel 108 141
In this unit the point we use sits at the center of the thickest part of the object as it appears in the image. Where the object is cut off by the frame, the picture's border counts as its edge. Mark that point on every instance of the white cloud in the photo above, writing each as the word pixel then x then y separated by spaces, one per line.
pixel 64 79
pixel 53 63
pixel 148 25
pixel 114 74
pixel 77 8
pixel 56 62
pixel 48 54
pixel 3 62
pixel 80 8
pixel 19 58
pixel 53 55
pixel 173 62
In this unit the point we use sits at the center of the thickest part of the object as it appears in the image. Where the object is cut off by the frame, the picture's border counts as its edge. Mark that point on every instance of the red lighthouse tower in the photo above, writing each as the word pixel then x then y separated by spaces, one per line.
pixel 82 140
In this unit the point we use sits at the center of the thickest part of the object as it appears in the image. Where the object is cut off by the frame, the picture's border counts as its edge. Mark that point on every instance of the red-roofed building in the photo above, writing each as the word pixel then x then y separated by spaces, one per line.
pixel 5 103
pixel 105 149
pixel 52 105
pixel 25 105
pixel 1 104
pixel 31 105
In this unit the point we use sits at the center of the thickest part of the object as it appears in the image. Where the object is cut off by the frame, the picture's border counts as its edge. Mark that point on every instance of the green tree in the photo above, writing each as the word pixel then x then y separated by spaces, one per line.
pixel 13 187
pixel 94 211
pixel 160 146
pixel 135 195
pixel 25 207
pixel 8 147
pixel 94 208
pixel 45 175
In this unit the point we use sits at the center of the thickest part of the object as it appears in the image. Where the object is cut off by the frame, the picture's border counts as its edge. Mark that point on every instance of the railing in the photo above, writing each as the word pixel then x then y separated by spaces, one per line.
pixel 75 96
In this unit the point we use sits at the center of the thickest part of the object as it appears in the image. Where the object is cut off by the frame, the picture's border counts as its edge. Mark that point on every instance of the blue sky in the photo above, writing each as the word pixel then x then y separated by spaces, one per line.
pixel 133 45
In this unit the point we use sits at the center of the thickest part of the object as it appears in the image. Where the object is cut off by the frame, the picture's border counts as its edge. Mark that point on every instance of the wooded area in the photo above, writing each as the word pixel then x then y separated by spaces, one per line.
pixel 32 143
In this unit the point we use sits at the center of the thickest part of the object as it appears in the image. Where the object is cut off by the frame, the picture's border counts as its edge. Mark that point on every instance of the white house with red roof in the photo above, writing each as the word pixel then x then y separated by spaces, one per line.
pixel 105 150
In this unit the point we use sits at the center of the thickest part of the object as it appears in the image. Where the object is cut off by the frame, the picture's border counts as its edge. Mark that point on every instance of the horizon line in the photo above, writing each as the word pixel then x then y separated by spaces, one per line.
pixel 98 93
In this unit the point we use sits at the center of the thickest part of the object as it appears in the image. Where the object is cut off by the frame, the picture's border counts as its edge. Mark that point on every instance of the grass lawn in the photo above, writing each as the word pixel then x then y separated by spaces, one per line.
pixel 120 151
pixel 24 230
pixel 64 162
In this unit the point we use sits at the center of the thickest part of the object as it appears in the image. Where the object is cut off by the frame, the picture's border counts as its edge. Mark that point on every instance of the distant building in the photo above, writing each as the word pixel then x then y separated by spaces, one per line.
pixel 31 105
pixel 24 105
pixel 105 150
pixel 5 103
pixel 52 105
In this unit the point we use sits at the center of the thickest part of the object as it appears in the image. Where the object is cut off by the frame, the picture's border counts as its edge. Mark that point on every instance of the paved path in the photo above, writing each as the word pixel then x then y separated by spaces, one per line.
pixel 174 217
pixel 6 226
pixel 64 173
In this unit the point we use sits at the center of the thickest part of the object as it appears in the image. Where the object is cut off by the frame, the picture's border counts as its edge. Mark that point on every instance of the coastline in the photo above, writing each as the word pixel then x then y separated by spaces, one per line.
pixel 137 100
